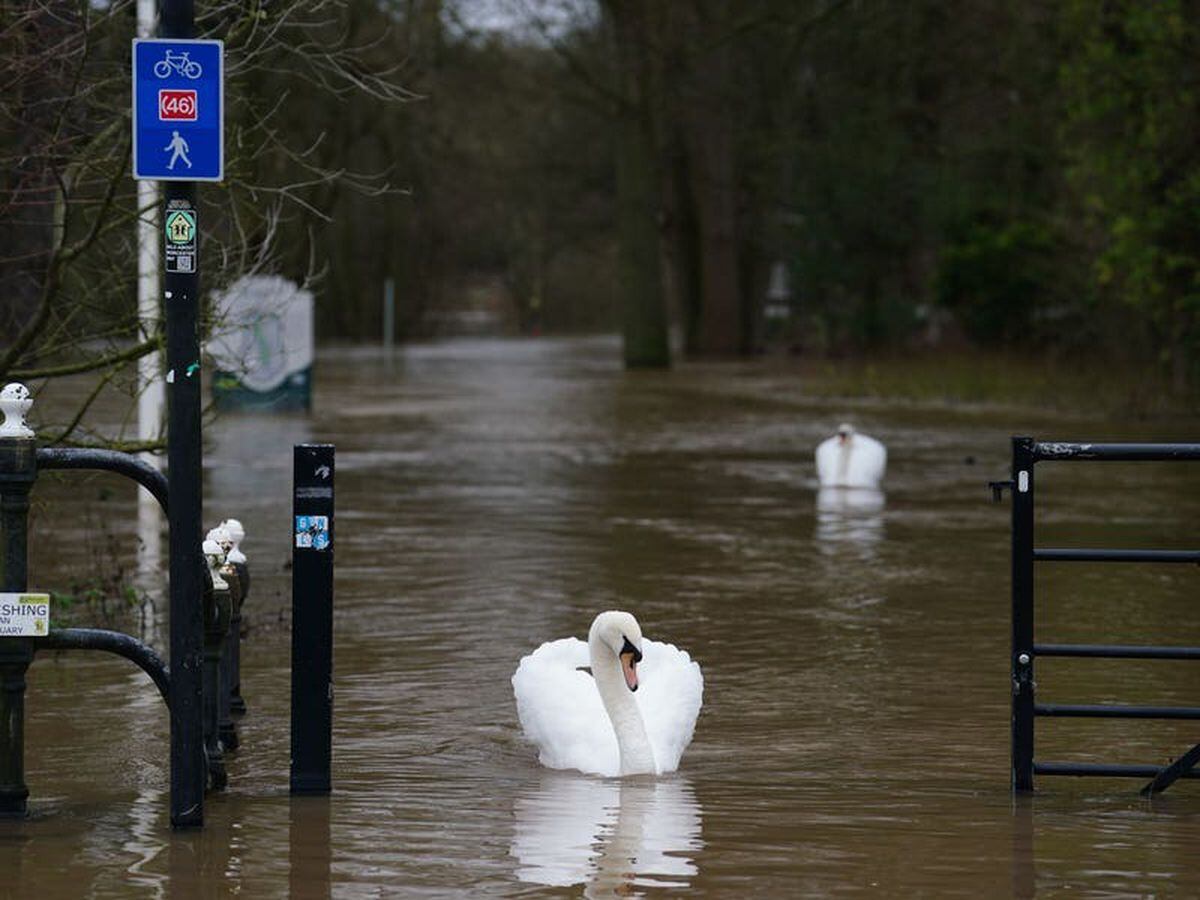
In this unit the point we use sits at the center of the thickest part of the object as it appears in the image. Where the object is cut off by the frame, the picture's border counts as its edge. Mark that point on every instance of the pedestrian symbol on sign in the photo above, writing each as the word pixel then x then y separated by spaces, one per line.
pixel 179 148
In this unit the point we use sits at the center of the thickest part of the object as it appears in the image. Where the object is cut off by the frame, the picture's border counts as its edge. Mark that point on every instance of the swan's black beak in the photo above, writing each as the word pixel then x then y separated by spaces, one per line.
pixel 630 657
pixel 629 648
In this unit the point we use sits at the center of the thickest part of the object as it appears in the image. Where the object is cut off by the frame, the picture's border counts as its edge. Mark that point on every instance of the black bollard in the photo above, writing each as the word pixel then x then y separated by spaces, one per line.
pixel 216 627
pixel 237 704
pixel 18 470
pixel 225 728
pixel 312 618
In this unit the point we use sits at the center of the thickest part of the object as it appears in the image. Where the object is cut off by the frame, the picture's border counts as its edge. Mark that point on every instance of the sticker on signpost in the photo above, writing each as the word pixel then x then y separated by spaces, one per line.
pixel 24 615
pixel 179 227
pixel 312 532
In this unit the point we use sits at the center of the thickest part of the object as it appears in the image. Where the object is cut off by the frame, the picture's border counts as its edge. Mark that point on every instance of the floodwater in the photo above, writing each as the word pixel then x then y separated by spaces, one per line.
pixel 495 494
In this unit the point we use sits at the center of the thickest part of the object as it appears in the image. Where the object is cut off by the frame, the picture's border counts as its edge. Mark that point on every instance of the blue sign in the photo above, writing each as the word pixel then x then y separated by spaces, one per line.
pixel 178 110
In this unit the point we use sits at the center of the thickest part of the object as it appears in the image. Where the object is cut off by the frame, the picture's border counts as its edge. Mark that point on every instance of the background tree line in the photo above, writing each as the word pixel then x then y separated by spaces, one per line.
pixel 1020 175
pixel 997 175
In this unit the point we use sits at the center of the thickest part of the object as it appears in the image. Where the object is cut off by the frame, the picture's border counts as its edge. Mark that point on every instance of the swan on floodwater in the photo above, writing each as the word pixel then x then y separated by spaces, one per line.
pixel 850 460
pixel 633 715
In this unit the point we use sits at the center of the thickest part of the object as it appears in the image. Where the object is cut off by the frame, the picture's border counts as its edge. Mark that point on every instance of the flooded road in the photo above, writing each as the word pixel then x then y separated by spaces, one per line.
pixel 492 495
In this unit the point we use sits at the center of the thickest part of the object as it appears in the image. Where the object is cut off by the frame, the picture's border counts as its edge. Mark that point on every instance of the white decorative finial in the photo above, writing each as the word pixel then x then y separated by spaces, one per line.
pixel 215 557
pixel 237 534
pixel 14 403
pixel 221 536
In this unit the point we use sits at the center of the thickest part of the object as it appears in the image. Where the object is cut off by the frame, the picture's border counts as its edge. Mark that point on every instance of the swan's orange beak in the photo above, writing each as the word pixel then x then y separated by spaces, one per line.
pixel 629 670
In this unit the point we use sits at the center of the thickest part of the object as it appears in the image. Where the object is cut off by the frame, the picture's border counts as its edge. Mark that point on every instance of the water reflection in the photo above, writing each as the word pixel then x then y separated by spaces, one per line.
pixel 252 454
pixel 1024 867
pixel 610 835
pixel 849 517
pixel 308 847
pixel 145 844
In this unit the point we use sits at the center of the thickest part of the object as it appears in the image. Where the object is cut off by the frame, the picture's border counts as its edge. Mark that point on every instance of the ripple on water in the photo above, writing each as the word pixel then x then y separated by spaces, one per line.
pixel 496 494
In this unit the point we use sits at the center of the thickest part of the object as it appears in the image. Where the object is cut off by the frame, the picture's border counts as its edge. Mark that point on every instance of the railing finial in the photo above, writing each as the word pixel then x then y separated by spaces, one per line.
pixel 14 403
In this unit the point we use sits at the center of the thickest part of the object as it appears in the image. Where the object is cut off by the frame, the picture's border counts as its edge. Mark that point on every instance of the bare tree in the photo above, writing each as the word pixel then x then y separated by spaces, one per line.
pixel 67 201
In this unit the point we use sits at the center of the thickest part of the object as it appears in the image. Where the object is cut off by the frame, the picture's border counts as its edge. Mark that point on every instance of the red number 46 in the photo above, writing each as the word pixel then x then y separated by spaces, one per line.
pixel 177 106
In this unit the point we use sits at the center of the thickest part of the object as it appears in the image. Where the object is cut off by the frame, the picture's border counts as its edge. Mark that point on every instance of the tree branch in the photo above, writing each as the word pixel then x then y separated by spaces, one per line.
pixel 90 365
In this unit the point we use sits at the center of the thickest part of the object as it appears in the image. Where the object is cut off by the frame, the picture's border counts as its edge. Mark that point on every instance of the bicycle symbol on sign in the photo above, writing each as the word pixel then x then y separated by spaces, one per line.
pixel 181 63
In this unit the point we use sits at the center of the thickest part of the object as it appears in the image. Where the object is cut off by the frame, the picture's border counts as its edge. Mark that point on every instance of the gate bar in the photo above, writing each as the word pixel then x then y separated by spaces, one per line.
pixel 1126 556
pixel 1116 651
pixel 1108 711
pixel 1115 452
pixel 1022 613
pixel 1103 769
pixel 1181 768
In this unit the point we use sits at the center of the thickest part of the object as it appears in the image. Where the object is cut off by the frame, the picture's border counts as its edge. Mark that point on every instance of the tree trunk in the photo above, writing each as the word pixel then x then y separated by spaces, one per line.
pixel 683 241
pixel 707 122
pixel 644 313
pixel 720 325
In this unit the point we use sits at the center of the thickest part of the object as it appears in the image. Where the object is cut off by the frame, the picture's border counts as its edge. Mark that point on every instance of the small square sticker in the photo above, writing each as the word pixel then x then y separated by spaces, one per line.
pixel 312 532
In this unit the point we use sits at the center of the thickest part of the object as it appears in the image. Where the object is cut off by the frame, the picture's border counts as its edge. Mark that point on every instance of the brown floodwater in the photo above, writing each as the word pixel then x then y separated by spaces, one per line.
pixel 492 495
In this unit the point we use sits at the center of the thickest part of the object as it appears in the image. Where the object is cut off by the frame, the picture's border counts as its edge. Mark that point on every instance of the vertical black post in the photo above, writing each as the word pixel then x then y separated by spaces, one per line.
pixel 226 731
pixel 237 703
pixel 181 289
pixel 18 469
pixel 1022 614
pixel 312 618
pixel 216 628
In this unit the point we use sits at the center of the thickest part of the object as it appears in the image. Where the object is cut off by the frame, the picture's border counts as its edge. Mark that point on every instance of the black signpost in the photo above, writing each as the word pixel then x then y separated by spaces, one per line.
pixel 312 618
pixel 181 288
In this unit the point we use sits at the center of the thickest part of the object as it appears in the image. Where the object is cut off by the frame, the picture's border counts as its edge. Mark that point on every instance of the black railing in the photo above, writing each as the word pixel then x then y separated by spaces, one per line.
pixel 20 462
pixel 1026 454
pixel 107 460
pixel 113 642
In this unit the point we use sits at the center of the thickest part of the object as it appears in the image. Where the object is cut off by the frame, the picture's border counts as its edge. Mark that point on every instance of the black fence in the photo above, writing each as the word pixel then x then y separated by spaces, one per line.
pixel 20 462
pixel 1027 453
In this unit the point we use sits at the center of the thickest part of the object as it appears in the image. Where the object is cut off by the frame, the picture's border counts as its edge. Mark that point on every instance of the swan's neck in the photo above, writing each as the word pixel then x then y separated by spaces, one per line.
pixel 843 468
pixel 637 757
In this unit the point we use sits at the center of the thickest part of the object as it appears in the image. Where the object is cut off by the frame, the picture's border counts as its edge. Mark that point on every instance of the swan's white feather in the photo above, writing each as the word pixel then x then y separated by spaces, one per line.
pixel 670 691
pixel 561 711
pixel 861 466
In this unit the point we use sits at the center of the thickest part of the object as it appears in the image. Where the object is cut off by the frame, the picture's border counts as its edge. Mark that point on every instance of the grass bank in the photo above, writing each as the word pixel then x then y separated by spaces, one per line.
pixel 1105 388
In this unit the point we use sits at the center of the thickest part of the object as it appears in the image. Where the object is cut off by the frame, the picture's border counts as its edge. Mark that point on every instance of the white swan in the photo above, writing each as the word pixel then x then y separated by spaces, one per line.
pixel 851 460
pixel 597 723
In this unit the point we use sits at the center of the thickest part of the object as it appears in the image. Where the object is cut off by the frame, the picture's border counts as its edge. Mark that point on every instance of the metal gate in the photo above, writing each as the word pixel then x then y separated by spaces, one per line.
pixel 1027 453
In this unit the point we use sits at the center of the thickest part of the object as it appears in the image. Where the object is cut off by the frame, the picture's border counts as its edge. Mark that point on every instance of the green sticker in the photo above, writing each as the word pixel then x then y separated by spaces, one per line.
pixel 181 226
